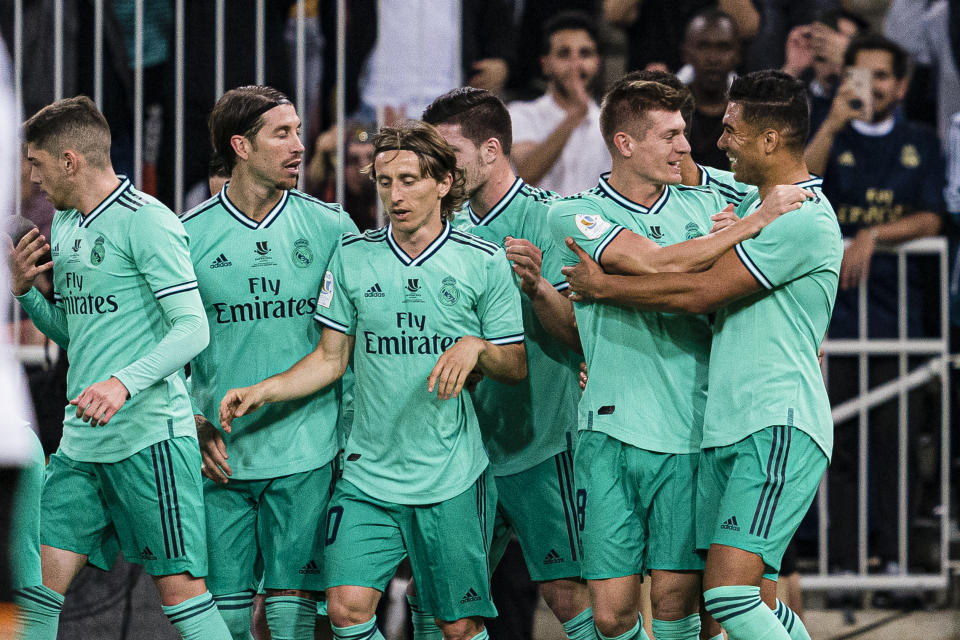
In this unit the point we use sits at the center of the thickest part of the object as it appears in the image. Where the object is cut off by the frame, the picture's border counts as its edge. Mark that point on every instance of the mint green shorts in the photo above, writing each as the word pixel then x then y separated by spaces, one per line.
pixel 752 494
pixel 150 505
pixel 635 508
pixel 447 542
pixel 269 528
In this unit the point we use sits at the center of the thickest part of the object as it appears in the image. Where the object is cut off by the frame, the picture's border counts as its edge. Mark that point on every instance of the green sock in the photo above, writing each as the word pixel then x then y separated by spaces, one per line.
pixel 483 635
pixel 291 618
pixel 365 631
pixel 719 636
pixel 637 633
pixel 791 622
pixel 236 610
pixel 742 614
pixel 684 629
pixel 580 627
pixel 38 615
pixel 198 619
pixel 424 625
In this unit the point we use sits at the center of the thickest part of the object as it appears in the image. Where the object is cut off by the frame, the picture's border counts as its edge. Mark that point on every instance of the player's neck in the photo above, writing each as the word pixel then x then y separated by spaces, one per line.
pixel 784 170
pixel 633 188
pixel 253 199
pixel 414 241
pixel 97 185
pixel 493 190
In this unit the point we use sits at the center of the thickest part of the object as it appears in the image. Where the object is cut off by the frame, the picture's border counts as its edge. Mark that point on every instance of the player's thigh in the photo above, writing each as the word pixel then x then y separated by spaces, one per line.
pixel 540 504
pixel 73 513
pixel 155 498
pixel 672 522
pixel 291 538
pixel 362 539
pixel 231 517
pixel 612 533
pixel 449 544
pixel 773 479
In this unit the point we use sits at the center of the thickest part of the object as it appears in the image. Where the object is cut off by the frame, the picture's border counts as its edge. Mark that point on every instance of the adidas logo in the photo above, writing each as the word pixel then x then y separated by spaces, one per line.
pixel 146 554
pixel 731 524
pixel 553 557
pixel 471 596
pixel 221 261
pixel 309 568
pixel 374 292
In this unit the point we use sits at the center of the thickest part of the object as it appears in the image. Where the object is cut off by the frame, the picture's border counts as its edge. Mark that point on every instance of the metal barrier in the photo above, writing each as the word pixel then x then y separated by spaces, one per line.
pixel 937 366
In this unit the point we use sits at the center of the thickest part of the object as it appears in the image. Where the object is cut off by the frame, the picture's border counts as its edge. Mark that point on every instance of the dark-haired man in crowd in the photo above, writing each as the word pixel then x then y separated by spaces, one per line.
pixel 557 144
pixel 766 400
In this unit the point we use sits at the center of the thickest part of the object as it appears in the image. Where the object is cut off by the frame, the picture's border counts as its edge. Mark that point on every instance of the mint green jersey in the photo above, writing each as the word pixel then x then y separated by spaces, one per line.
pixel 726 186
pixel 526 423
pixel 259 282
pixel 407 446
pixel 111 268
pixel 647 371
pixel 763 364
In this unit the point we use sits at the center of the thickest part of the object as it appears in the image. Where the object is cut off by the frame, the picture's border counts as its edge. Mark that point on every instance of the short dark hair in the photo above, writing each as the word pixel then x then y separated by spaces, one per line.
pixel 876 42
pixel 71 123
pixel 436 158
pixel 240 112
pixel 775 100
pixel 625 106
pixel 480 114
pixel 568 20
pixel 688 106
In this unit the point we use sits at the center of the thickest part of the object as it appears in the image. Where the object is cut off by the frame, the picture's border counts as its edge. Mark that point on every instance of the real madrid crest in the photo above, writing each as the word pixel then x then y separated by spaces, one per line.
pixel 449 294
pixel 302 255
pixel 98 251
pixel 909 157
pixel 693 231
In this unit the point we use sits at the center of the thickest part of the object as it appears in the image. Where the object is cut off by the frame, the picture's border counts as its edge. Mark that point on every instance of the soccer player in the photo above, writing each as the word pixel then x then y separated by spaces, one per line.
pixel 639 445
pixel 128 312
pixel 260 249
pixel 419 304
pixel 528 428
pixel 767 430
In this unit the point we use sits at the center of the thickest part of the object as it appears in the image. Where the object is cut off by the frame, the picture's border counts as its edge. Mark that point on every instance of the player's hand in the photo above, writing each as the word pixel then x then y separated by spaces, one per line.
pixel 582 378
pixel 585 278
pixel 798 52
pixel 213 452
pixel 23 260
pixel 856 259
pixel 100 401
pixel 724 219
pixel 490 74
pixel 453 366
pixel 526 260
pixel 782 199
pixel 240 402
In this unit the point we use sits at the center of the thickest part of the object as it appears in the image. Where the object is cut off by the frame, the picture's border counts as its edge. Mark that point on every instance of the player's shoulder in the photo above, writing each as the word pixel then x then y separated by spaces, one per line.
pixel 593 196
pixel 363 238
pixel 471 242
pixel 212 203
pixel 536 194
pixel 332 209
pixel 724 184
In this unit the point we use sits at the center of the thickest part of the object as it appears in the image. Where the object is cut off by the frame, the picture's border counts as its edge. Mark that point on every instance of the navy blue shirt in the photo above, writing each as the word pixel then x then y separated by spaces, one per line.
pixel 873 180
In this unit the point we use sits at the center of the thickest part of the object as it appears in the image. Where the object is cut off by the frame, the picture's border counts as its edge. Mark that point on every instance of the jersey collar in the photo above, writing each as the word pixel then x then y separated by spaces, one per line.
pixel 106 202
pixel 426 253
pixel 626 202
pixel 498 208
pixel 247 222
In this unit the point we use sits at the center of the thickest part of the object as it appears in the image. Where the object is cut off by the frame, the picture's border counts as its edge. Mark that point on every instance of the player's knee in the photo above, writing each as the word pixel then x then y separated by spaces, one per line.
pixel 613 622
pixel 462 629
pixel 347 611
pixel 674 602
pixel 566 598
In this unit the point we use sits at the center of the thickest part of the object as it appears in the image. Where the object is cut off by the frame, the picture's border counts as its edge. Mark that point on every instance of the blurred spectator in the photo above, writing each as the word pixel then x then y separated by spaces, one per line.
pixel 814 54
pixel 557 144
pixel 471 42
pixel 777 19
pixel 884 176
pixel 360 195
pixel 655 27
pixel 711 50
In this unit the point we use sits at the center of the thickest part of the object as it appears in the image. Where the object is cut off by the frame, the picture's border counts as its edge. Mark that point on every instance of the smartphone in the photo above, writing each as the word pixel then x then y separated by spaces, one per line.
pixel 860 80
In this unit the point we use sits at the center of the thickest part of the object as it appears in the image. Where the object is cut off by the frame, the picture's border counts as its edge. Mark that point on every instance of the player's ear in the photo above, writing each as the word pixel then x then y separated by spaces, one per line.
pixel 624 144
pixel 490 149
pixel 70 160
pixel 770 140
pixel 241 146
pixel 443 187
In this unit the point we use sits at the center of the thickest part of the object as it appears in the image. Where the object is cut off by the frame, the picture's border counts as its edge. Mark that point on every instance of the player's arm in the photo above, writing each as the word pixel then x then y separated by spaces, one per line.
pixel 502 362
pixel 316 370
pixel 552 308
pixel 24 270
pixel 630 253
pixel 700 292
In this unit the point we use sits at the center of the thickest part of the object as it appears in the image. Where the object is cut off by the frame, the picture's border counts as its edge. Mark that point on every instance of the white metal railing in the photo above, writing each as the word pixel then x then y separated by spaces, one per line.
pixel 937 366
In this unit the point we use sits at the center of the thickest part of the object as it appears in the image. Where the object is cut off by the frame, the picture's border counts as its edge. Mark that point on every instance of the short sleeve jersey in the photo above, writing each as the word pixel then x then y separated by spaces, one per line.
pixel 259 283
pixel 407 446
pixel 763 363
pixel 524 424
pixel 726 186
pixel 111 268
pixel 647 370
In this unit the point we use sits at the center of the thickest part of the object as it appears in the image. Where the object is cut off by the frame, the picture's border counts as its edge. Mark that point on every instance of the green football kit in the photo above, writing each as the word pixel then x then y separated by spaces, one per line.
pixel 407 447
